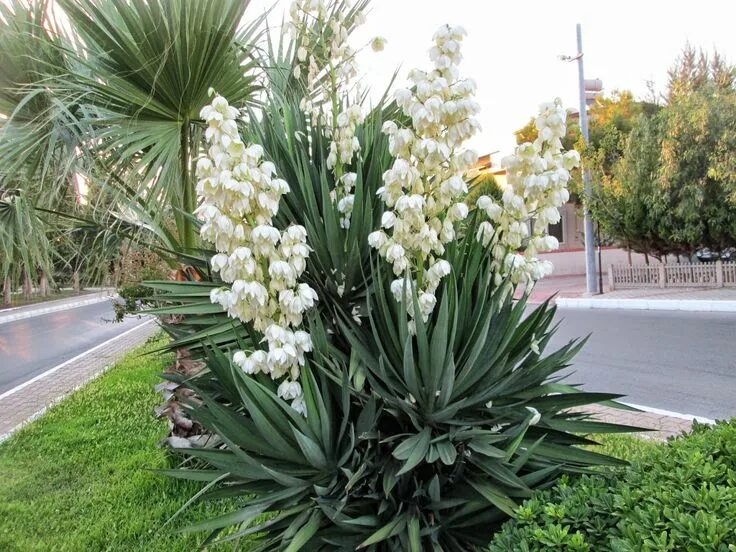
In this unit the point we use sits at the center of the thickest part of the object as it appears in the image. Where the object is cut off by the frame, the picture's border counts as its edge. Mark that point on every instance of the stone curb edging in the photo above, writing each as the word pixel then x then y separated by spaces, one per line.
pixel 21 313
pixel 33 400
pixel 690 305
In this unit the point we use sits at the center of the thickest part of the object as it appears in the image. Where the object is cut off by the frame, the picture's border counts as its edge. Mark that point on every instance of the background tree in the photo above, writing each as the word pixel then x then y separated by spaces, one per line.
pixel 696 129
pixel 624 204
pixel 695 70
pixel 671 191
pixel 483 184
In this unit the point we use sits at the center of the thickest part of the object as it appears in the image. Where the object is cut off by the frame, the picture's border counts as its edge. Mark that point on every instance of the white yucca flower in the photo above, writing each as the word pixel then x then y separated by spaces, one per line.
pixel 423 188
pixel 239 195
pixel 333 102
pixel 537 177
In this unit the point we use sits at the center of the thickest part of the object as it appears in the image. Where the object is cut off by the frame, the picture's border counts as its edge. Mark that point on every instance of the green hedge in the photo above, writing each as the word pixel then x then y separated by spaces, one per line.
pixel 681 496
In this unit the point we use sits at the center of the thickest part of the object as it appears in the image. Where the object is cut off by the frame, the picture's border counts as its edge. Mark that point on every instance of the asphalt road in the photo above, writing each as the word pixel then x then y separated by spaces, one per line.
pixel 30 347
pixel 678 361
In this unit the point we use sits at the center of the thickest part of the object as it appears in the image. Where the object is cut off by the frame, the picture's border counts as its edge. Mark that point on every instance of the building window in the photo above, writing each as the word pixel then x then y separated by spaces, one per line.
pixel 556 231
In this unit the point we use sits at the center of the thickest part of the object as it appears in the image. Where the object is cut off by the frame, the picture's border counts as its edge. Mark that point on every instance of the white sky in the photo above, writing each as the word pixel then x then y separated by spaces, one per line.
pixel 512 47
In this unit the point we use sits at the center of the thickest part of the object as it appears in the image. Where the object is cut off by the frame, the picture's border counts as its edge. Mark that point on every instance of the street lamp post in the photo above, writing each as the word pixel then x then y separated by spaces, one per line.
pixel 595 86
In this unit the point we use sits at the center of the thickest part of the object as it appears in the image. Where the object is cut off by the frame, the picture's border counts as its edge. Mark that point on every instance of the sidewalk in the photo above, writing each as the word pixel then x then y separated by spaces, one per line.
pixel 31 399
pixel 663 425
pixel 570 292
pixel 555 287
pixel 37 309
pixel 682 299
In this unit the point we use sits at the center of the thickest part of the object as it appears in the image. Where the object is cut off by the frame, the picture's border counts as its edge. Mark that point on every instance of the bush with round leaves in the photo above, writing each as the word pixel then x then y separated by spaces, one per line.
pixel 677 496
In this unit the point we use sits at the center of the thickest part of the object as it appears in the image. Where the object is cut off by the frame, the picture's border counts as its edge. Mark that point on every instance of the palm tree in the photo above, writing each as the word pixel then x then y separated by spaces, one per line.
pixel 115 94
pixel 37 142
pixel 39 133
pixel 24 246
pixel 144 70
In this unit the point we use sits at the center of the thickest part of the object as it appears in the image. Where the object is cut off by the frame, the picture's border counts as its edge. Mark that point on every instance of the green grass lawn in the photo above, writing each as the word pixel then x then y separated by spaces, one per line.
pixel 78 478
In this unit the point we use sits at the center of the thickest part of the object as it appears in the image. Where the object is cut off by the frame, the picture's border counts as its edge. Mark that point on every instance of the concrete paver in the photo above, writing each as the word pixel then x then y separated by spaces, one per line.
pixel 663 426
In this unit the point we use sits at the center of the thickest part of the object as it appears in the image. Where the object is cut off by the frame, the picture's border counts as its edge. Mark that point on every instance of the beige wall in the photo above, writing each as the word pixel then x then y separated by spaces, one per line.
pixel 572 227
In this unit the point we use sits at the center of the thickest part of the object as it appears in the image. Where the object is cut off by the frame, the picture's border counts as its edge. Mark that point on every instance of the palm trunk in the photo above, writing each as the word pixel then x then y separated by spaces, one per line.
pixel 75 282
pixel 43 284
pixel 7 291
pixel 27 286
pixel 187 232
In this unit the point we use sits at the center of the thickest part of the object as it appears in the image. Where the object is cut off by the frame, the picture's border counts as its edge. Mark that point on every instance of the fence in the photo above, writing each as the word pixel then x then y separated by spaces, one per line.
pixel 718 274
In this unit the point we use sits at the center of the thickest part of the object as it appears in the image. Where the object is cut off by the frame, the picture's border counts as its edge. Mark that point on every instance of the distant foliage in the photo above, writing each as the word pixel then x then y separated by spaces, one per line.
pixel 483 184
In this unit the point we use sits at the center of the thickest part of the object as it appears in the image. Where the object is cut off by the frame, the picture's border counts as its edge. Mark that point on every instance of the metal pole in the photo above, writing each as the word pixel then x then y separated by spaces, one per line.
pixel 600 261
pixel 590 280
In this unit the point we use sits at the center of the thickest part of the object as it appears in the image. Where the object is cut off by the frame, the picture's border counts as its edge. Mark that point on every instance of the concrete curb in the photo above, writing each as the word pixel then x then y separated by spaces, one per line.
pixel 690 305
pixel 21 313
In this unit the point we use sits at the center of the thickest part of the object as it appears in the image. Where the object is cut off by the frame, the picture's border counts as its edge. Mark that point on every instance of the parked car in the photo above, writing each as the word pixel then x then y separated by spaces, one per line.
pixel 707 255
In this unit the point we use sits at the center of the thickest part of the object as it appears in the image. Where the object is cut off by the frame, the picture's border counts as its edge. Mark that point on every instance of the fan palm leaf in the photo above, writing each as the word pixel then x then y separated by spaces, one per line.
pixel 39 134
pixel 144 72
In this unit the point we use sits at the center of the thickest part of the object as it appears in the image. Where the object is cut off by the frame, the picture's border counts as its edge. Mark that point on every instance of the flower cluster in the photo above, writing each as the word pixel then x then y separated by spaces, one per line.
pixel 423 188
pixel 239 196
pixel 327 62
pixel 537 177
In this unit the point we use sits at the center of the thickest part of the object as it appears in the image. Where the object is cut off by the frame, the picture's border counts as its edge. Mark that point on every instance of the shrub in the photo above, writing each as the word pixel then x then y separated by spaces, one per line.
pixel 136 266
pixel 413 406
pixel 678 496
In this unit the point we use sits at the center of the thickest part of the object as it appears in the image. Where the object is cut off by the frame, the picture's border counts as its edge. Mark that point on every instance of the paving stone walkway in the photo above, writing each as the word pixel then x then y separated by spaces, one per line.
pixel 27 402
pixel 662 426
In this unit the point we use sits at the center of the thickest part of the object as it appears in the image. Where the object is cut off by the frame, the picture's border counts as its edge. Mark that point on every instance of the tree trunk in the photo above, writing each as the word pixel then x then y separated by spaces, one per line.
pixel 27 285
pixel 628 254
pixel 188 233
pixel 75 282
pixel 181 426
pixel 646 258
pixel 7 292
pixel 43 284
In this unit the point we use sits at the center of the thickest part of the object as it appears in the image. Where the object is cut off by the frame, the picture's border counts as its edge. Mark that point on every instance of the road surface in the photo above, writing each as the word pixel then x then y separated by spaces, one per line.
pixel 31 346
pixel 679 361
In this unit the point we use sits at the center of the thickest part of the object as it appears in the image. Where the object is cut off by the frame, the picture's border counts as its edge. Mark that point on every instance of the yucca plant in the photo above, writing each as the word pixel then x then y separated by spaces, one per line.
pixel 409 443
pixel 413 406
